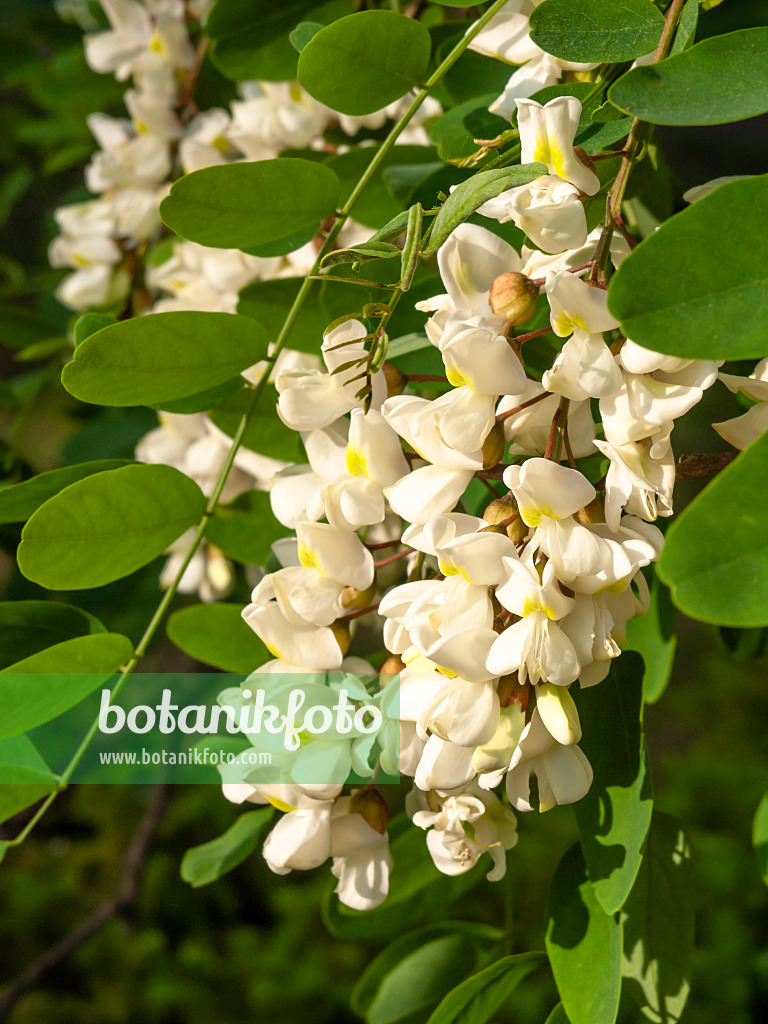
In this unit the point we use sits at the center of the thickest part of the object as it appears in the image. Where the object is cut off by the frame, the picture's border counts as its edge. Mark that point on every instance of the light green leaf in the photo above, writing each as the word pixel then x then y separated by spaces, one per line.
pixel 107 526
pixel 24 777
pixel 583 944
pixel 377 205
pixel 268 302
pixel 47 684
pixel 596 31
pixel 558 1016
pixel 151 360
pixel 715 557
pixel 19 501
pixel 679 90
pixel 658 921
pixel 203 400
pixel 760 837
pixel 376 57
pixel 476 1000
pixel 245 528
pixel 451 134
pixel 365 252
pixel 218 635
pixel 615 815
pixel 653 636
pixel 90 323
pixel 203 864
pixel 471 194
pixel 265 433
pixel 677 293
pixel 27 627
pixel 243 205
pixel 303 33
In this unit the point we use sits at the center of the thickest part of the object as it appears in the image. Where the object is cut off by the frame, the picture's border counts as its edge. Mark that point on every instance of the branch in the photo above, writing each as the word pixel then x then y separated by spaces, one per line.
pixel 121 904
pixel 691 467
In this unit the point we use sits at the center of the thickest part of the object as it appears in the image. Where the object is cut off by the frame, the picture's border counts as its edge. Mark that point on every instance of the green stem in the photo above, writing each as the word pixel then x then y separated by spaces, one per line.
pixel 237 439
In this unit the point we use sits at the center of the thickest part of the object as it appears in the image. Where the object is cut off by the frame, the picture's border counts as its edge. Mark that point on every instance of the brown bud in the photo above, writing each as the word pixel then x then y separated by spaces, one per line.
pixel 517 530
pixel 500 509
pixel 371 807
pixel 340 630
pixel 394 378
pixel 391 666
pixel 493 446
pixel 355 600
pixel 594 512
pixel 514 297
pixel 512 691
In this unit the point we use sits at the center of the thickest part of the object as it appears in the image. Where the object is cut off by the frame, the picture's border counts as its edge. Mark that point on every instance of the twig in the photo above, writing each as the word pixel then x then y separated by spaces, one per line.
pixel 364 611
pixel 119 905
pixel 392 558
pixel 691 467
pixel 525 405
pixel 619 221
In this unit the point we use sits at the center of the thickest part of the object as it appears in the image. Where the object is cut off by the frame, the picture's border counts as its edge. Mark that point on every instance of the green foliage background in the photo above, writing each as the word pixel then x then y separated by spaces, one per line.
pixel 252 945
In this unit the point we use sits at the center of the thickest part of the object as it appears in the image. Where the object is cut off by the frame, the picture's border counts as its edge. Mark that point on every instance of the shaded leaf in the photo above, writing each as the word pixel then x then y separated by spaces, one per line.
pixel 653 636
pixel 203 864
pixel 245 528
pixel 218 635
pixel 27 627
pixel 477 999
pixel 760 837
pixel 595 31
pixel 19 501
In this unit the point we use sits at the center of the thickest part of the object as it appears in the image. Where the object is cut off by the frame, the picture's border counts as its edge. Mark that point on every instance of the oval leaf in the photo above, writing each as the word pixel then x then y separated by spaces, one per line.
pixel 583 944
pixel 47 684
pixel 361 63
pixel 596 30
pixel 476 1000
pixel 717 81
pixel 245 528
pixel 151 360
pixel 721 575
pixel 653 636
pixel 107 526
pixel 265 433
pixel 24 776
pixel 27 627
pixel 471 194
pixel 203 864
pixel 760 837
pixel 243 205
pixel 218 635
pixel 19 501
pixel 677 293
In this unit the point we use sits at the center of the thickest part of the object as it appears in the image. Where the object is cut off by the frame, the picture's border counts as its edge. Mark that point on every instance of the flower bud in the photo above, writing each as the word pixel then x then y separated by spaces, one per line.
pixel 371 807
pixel 352 600
pixel 493 446
pixel 594 512
pixel 517 530
pixel 394 378
pixel 340 630
pixel 514 297
pixel 391 666
pixel 500 509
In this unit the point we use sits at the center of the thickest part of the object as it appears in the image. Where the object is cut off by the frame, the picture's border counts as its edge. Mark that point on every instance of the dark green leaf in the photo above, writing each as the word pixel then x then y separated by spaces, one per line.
pixel 19 501
pixel 615 814
pixel 686 29
pixel 658 921
pixel 377 205
pixel 107 526
pixel 471 194
pixel 203 864
pixel 24 776
pixel 27 627
pixel 558 1016
pixel 679 90
pixel 47 684
pixel 451 134
pixel 152 360
pixel 596 31
pixel 268 302
pixel 265 433
pixel 476 1000
pixel 760 837
pixel 217 635
pixel 242 205
pixel 245 528
pixel 376 57
pixel 90 323
pixel 677 293
pixel 303 33
pixel 203 400
pixel 285 244
pixel 654 636
pixel 715 557
pixel 583 944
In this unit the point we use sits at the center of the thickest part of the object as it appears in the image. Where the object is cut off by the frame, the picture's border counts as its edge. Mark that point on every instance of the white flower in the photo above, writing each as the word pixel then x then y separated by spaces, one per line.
pixel 300 840
pixel 361 858
pixel 528 429
pixel 563 773
pixel 273 116
pixel 636 482
pixel 743 430
pixel 546 136
pixel 576 305
pixel 584 368
pixel 547 209
pixel 205 141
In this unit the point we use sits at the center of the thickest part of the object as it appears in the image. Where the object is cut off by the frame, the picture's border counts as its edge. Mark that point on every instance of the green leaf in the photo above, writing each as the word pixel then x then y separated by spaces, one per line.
pixel 245 528
pixel 615 815
pixel 686 29
pixel 476 1000
pixel 377 205
pixel 365 252
pixel 596 31
pixel 717 81
pixel 27 627
pixel 251 38
pixel 558 1016
pixel 203 864
pixel 90 323
pixel 678 294
pixel 471 194
pixel 303 33
pixel 19 501
pixel 375 974
pixel 203 400
pixel 107 526
pixel 760 837
pixel 583 944
pixel 268 302
pixel 265 433
pixel 285 244
pixel 376 57
pixel 715 557
pixel 217 635
pixel 24 776
pixel 658 921
pixel 151 360
pixel 242 205
pixel 47 684
pixel 451 134
pixel 653 636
